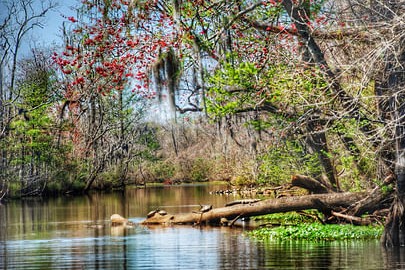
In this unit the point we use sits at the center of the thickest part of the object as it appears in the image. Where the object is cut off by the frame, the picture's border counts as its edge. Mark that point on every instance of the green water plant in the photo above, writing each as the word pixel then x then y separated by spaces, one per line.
pixel 318 232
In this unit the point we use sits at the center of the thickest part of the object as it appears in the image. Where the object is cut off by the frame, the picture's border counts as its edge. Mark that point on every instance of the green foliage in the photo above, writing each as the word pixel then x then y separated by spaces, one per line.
pixel 242 77
pixel 162 170
pixel 200 170
pixel 34 156
pixel 149 140
pixel 243 175
pixel 192 169
pixel 233 88
pixel 318 232
pixel 282 161
pixel 109 180
pixel 355 162
pixel 68 177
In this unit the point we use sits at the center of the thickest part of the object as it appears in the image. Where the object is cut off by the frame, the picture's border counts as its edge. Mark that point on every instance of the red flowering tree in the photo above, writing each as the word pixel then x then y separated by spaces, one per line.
pixel 106 64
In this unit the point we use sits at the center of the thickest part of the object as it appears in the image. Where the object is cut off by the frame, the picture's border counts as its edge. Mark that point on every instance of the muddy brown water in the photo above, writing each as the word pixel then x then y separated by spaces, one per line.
pixel 74 233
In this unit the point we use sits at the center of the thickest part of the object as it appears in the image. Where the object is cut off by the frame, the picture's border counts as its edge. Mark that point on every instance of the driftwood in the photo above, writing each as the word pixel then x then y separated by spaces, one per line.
pixel 269 206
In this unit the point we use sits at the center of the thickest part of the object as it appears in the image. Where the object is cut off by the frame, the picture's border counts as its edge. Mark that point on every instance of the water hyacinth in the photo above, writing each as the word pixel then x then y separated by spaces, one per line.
pixel 318 232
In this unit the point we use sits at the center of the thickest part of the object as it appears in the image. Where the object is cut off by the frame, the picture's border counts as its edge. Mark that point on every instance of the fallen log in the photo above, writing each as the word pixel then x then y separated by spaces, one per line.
pixel 311 184
pixel 269 206
pixel 246 201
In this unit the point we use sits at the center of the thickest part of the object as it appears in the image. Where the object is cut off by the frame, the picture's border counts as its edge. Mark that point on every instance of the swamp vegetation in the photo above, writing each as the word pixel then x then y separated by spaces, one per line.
pixel 302 97
pixel 305 226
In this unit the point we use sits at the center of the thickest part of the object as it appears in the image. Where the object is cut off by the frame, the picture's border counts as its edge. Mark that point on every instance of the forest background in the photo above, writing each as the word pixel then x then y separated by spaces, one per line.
pixel 253 92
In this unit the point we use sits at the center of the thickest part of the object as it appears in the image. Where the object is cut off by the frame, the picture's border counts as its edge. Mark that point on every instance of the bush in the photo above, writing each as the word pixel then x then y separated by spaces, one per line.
pixel 161 170
pixel 279 163
pixel 200 170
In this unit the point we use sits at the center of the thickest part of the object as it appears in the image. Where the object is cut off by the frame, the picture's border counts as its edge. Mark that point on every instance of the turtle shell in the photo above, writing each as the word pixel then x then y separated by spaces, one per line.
pixel 162 212
pixel 151 213
pixel 205 208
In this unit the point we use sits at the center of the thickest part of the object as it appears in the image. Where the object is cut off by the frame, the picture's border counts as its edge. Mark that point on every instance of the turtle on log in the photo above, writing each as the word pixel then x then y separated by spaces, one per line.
pixel 152 213
pixel 156 211
pixel 205 208
pixel 162 212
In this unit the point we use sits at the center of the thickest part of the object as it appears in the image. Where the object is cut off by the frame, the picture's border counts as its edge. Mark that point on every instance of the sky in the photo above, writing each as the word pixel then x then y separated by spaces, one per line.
pixel 50 33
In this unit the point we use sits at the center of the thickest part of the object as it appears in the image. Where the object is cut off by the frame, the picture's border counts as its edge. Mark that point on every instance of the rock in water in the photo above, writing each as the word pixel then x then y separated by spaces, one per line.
pixel 117 220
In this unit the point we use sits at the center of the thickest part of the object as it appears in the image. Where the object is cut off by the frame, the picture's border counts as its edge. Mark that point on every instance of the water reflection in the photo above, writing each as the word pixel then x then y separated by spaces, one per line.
pixel 394 258
pixel 74 233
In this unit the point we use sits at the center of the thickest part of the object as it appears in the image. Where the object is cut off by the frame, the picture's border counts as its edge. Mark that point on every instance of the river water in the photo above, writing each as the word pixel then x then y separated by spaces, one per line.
pixel 74 233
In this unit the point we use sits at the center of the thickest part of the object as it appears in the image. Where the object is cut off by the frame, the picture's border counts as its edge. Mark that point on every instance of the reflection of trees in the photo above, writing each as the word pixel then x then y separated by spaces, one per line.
pixel 3 237
pixel 315 255
pixel 299 255
pixel 394 258
pixel 236 253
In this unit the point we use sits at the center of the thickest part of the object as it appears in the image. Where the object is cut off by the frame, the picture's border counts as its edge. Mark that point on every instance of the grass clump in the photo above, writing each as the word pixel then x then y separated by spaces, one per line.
pixel 318 232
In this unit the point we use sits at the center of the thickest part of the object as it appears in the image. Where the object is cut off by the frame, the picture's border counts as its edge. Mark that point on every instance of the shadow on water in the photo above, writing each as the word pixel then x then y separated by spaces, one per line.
pixel 75 233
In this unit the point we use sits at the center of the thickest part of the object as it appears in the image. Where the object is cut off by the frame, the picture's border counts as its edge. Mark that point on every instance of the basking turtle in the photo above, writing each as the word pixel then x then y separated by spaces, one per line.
pixel 152 213
pixel 205 208
pixel 162 212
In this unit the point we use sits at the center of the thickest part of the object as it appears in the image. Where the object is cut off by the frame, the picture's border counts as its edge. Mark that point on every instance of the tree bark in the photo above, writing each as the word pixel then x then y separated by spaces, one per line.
pixel 316 141
pixel 285 204
pixel 393 84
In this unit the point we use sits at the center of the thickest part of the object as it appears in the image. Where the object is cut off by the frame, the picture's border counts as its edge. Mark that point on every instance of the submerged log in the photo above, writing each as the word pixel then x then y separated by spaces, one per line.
pixel 285 204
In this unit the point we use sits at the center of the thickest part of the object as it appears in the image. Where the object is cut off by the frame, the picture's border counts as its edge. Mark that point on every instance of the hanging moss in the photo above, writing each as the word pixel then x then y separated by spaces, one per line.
pixel 166 72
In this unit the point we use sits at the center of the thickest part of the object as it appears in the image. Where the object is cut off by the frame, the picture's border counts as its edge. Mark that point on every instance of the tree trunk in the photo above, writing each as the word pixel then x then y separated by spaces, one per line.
pixel 393 84
pixel 285 204
pixel 316 141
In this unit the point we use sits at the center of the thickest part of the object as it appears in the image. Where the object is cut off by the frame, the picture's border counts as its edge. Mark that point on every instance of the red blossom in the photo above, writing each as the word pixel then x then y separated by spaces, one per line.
pixel 72 19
